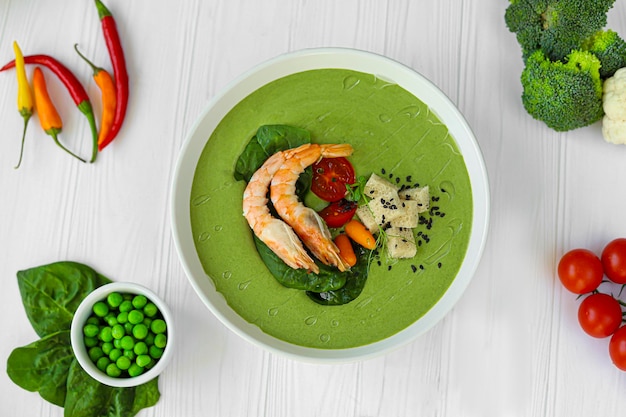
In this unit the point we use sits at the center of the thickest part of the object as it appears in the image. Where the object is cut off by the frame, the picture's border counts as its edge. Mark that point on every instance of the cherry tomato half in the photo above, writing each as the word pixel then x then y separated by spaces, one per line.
pixel 580 271
pixel 338 213
pixel 330 177
pixel 614 260
pixel 617 348
pixel 600 315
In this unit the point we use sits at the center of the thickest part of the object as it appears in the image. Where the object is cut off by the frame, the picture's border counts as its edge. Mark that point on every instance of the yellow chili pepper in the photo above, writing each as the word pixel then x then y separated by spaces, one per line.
pixel 24 94
pixel 48 116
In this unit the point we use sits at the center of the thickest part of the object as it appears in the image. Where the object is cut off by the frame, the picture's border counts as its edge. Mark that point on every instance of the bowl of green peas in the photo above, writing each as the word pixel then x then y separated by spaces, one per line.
pixel 122 334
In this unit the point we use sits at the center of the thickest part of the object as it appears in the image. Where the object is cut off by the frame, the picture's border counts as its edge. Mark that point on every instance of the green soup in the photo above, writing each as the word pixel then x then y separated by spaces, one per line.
pixel 390 130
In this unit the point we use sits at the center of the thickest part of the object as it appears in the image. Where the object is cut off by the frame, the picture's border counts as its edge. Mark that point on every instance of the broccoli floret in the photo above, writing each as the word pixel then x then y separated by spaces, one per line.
pixel 610 50
pixel 555 26
pixel 564 94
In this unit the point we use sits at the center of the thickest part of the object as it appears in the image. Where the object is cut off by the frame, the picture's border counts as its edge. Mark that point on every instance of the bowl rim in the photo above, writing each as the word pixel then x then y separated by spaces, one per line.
pixel 82 314
pixel 270 70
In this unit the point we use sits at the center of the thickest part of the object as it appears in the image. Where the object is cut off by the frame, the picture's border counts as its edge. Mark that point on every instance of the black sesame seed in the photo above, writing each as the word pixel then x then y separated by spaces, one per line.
pixel 408 178
pixel 383 171
pixel 389 268
pixel 390 176
pixel 414 268
pixel 422 267
pixel 379 263
pixel 439 265
pixel 397 180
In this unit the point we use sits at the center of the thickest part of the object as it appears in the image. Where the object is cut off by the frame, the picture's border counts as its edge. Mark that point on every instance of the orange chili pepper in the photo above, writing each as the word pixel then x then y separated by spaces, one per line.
pixel 48 116
pixel 346 251
pixel 359 233
pixel 24 95
pixel 104 81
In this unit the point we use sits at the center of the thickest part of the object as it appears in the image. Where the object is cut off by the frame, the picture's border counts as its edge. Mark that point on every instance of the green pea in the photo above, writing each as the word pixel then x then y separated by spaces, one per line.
pixel 139 301
pixel 105 334
pixel 111 319
pixel 160 340
pixel 117 343
pixel 95 353
pixel 100 309
pixel 122 317
pixel 143 360
pixel 149 339
pixel 115 354
pixel 107 347
pixel 91 330
pixel 118 331
pixel 123 362
pixel 135 370
pixel 130 354
pixel 91 341
pixel 140 331
pixel 128 328
pixel 128 342
pixel 126 306
pixel 158 326
pixel 155 352
pixel 115 299
pixel 93 320
pixel 151 364
pixel 102 363
pixel 150 310
pixel 113 371
pixel 147 321
pixel 141 348
pixel 135 316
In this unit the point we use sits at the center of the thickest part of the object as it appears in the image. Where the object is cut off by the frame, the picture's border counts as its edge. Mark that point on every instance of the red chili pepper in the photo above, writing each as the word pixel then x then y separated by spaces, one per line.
pixel 118 62
pixel 74 87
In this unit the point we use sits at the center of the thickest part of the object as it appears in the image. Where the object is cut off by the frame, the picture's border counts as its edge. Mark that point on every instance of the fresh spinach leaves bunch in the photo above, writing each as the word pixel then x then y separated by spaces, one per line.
pixel 51 294
pixel 330 286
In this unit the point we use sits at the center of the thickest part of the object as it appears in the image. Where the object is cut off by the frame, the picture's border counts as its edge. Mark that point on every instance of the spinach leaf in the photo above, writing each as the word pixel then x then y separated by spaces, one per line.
pixel 43 366
pixel 330 286
pixel 268 140
pixel 86 397
pixel 51 293
pixel 355 282
pixel 328 278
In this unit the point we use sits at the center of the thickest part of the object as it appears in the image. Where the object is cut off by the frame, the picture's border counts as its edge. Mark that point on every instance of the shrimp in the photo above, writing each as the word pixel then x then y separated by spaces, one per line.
pixel 305 221
pixel 275 233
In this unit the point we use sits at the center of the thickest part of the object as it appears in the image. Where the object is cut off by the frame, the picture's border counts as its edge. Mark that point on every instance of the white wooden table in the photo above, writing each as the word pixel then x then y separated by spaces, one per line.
pixel 512 345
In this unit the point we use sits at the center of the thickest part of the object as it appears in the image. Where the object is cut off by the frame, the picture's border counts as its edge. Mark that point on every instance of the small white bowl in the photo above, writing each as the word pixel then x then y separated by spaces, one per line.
pixel 83 312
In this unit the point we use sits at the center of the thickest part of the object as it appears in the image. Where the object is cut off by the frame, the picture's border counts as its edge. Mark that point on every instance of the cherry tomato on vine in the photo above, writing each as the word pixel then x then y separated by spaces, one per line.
pixel 580 271
pixel 614 260
pixel 600 315
pixel 338 213
pixel 330 177
pixel 617 348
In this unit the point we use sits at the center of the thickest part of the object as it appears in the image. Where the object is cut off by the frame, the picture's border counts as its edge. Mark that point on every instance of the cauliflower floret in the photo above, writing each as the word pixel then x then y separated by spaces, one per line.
pixel 614 104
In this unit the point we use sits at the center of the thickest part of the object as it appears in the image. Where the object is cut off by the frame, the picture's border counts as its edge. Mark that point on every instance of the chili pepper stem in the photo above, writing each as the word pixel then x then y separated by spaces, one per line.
pixel 26 117
pixel 53 133
pixel 94 135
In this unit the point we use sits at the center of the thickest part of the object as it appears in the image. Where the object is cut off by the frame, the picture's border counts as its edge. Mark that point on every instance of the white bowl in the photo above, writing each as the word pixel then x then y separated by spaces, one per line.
pixel 272 70
pixel 83 312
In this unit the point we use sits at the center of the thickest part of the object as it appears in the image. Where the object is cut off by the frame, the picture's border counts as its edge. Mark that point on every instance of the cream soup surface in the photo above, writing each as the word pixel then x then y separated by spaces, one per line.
pixel 391 131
